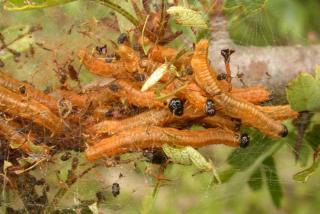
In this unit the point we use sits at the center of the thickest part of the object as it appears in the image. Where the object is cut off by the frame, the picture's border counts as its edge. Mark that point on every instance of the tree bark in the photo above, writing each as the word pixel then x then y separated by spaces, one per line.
pixel 272 67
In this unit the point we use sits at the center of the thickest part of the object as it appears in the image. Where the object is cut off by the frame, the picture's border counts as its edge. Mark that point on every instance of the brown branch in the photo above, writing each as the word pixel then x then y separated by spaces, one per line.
pixel 272 66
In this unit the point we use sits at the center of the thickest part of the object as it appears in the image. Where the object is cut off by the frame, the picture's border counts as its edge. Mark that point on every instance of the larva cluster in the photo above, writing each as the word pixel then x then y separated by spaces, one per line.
pixel 146 98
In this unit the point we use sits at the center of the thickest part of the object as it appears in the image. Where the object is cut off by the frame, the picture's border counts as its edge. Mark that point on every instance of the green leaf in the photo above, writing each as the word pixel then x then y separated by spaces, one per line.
pixel 303 92
pixel 304 175
pixel 273 181
pixel 20 5
pixel 255 180
pixel 15 41
pixel 312 136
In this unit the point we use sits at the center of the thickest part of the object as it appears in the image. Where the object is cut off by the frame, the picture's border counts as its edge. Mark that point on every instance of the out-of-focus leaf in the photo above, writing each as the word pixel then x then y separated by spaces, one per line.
pixel 312 136
pixel 225 175
pixel 304 175
pixel 125 10
pixel 273 181
pixel 242 159
pixel 187 17
pixel 196 127
pixel 303 92
pixel 20 5
pixel 255 180
pixel 10 35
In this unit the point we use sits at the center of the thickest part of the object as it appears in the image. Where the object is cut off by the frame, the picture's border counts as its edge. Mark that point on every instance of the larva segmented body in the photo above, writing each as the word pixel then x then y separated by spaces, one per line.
pixel 282 112
pixel 129 58
pixel 15 104
pixel 28 91
pixel 253 95
pixel 153 117
pixel 142 137
pixel 100 67
pixel 135 96
pixel 245 111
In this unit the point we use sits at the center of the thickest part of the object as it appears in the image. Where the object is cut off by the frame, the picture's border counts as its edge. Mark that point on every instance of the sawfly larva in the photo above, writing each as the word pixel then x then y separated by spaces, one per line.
pixel 150 137
pixel 245 111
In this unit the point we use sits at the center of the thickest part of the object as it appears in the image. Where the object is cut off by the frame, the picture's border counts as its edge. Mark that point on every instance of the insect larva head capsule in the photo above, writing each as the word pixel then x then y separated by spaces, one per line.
pixel 139 76
pixel 101 50
pixel 226 53
pixel 222 76
pixel 122 38
pixel 22 89
pixel 244 140
pixel 210 107
pixel 176 106
pixel 284 132
pixel 115 189
pixel 155 156
pixel 189 70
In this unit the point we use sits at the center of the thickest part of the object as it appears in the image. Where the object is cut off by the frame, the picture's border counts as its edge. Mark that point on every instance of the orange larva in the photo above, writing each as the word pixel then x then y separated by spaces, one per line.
pixel 150 137
pixel 28 91
pixel 153 117
pixel 245 111
pixel 100 67
pixel 124 89
pixel 18 105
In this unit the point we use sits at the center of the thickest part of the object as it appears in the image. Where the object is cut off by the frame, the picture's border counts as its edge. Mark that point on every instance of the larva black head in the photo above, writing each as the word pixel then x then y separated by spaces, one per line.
pixel 155 156
pixel 222 76
pixel 115 189
pixel 176 106
pixel 189 70
pixel 113 87
pixel 284 132
pixel 22 89
pixel 244 140
pixel 102 50
pixel 139 76
pixel 122 38
pixel 226 53
pixel 210 107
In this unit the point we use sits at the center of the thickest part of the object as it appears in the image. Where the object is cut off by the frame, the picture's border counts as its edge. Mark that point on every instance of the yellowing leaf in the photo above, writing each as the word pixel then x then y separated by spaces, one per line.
pixel 155 76
pixel 187 17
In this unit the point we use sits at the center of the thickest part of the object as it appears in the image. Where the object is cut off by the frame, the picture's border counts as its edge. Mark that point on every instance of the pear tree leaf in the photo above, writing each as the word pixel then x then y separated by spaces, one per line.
pixel 273 181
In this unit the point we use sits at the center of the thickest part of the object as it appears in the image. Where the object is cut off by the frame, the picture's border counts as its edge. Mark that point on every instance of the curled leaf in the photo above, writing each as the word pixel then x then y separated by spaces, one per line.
pixel 304 175
pixel 155 76
pixel 187 17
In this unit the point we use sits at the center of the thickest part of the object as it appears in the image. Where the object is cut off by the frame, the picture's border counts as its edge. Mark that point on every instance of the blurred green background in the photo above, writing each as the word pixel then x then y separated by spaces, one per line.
pixel 80 24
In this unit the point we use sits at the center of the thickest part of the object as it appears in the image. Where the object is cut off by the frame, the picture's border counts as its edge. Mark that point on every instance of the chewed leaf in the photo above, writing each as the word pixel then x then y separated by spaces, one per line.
pixel 155 76
pixel 303 92
pixel 187 17
pixel 20 45
pixel 304 175
pixel 20 5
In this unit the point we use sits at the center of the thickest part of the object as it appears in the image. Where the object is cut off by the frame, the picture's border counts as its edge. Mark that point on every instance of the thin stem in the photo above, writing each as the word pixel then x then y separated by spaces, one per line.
pixel 120 10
